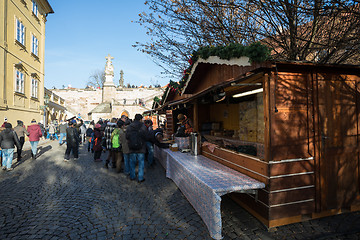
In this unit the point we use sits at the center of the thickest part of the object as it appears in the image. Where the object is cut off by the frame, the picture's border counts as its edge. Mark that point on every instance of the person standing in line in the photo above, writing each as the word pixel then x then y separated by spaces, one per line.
pixel 98 135
pixel 62 129
pixel 125 146
pixel 8 140
pixel 72 142
pixel 110 126
pixel 136 134
pixel 34 137
pixel 89 136
pixel 116 145
pixel 149 142
pixel 21 132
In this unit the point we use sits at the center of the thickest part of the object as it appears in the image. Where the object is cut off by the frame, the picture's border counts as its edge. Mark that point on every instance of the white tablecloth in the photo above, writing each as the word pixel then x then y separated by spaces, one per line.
pixel 203 182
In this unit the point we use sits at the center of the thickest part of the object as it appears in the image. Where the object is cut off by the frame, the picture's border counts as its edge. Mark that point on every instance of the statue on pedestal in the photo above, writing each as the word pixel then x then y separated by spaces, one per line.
pixel 109 68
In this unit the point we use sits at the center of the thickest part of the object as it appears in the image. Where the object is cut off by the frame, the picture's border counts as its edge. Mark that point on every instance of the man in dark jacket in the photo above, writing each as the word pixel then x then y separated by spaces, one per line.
pixel 136 135
pixel 72 142
pixel 8 140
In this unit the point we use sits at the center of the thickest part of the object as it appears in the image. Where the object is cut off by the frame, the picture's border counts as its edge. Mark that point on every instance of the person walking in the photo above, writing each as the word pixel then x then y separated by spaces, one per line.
pixel 98 135
pixel 72 142
pixel 20 132
pixel 42 128
pixel 136 134
pixel 124 146
pixel 62 129
pixel 34 137
pixel 110 126
pixel 52 131
pixel 82 130
pixel 8 140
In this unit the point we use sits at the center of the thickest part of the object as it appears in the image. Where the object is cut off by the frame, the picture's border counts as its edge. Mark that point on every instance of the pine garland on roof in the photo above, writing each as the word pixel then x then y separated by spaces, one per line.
pixel 256 52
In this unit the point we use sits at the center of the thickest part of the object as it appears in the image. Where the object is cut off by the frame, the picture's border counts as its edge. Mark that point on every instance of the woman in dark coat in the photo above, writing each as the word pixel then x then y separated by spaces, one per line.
pixel 72 142
pixel 98 135
pixel 8 140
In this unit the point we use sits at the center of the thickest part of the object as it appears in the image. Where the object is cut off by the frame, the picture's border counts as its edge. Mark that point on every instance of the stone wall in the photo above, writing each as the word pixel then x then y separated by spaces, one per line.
pixel 83 101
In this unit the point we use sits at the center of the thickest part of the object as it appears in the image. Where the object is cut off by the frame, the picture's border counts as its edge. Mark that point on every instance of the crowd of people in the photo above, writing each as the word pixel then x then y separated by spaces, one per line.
pixel 127 143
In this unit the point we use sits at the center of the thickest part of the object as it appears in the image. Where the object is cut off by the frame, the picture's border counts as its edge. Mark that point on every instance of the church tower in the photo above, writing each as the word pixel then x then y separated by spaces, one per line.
pixel 109 89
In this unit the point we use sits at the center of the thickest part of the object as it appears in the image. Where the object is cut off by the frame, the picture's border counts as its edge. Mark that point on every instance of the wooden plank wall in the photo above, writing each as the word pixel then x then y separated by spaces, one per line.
pixel 291 190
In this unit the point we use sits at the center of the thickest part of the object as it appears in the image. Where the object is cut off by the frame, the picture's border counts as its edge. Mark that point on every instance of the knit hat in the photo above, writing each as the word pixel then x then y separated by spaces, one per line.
pixel 8 125
pixel 181 117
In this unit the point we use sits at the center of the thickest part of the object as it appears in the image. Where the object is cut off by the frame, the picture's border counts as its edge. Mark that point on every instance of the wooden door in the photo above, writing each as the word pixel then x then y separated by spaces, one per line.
pixel 338 135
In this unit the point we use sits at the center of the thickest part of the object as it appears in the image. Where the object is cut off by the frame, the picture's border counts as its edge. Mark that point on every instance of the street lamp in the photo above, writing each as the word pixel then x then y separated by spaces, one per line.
pixel 46 102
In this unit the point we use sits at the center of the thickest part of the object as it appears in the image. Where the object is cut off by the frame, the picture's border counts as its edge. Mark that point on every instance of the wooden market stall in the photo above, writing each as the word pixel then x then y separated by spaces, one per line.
pixel 293 126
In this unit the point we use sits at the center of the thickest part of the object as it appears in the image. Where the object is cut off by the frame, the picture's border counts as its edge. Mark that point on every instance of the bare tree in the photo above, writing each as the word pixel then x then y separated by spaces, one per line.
pixel 324 31
pixel 97 79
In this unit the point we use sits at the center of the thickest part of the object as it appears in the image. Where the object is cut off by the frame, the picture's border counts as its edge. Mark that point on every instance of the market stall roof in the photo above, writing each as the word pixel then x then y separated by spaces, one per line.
pixel 202 66
pixel 249 78
pixel 230 87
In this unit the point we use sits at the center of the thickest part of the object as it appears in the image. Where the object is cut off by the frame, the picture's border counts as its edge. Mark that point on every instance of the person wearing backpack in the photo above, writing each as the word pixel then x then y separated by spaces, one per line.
pixel 116 145
pixel 136 136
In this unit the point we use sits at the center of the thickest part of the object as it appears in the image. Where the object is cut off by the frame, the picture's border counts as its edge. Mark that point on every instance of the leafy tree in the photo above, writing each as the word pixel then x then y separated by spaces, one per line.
pixel 323 31
pixel 97 79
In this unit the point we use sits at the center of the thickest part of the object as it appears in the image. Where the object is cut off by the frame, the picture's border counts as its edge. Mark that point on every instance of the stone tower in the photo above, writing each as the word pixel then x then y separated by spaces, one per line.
pixel 109 89
pixel 121 81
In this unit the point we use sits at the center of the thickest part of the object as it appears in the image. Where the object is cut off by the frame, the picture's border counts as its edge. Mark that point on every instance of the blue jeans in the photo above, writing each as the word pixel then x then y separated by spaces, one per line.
pixel 134 157
pixel 7 157
pixel 126 163
pixel 150 155
pixel 34 145
pixel 62 135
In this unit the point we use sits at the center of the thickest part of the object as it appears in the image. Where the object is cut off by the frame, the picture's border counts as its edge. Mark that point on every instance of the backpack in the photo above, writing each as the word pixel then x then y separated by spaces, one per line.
pixel 89 131
pixel 115 140
pixel 135 140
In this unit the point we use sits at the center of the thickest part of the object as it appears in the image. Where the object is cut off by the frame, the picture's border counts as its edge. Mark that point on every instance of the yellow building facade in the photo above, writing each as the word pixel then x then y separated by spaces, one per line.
pixel 22 51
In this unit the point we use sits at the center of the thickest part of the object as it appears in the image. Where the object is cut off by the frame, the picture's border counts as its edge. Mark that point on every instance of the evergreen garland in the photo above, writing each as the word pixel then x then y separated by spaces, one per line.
pixel 256 52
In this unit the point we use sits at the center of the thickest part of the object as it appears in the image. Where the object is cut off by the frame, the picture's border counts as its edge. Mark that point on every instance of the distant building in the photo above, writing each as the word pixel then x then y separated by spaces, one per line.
pixel 22 51
pixel 110 101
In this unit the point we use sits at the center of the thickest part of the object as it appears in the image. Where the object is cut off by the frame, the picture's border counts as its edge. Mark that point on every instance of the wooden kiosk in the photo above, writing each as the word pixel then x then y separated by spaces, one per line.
pixel 300 121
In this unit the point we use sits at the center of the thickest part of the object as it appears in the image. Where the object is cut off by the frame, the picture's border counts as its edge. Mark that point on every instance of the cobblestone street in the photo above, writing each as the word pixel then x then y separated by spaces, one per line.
pixel 48 198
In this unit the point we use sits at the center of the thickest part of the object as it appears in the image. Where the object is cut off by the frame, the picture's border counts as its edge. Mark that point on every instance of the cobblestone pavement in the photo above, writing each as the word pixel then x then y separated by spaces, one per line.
pixel 48 198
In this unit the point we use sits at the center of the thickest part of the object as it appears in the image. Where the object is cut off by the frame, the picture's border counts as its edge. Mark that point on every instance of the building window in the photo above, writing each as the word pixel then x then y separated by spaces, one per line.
pixel 20 32
pixel 19 81
pixel 35 46
pixel 35 8
pixel 34 88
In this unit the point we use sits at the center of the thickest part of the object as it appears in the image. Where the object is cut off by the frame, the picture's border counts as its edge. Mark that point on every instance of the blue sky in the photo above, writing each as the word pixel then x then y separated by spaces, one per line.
pixel 81 33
